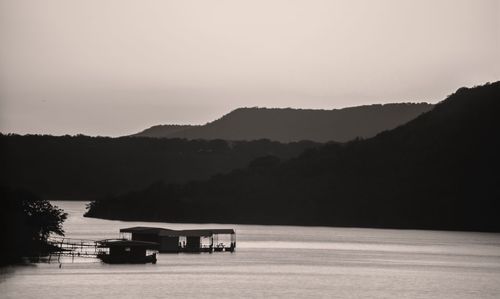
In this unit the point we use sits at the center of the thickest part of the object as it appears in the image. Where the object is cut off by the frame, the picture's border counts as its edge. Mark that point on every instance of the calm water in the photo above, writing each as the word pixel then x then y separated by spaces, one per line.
pixel 276 261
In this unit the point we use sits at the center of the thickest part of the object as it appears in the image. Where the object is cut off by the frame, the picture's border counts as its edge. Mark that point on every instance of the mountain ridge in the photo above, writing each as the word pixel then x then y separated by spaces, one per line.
pixel 290 124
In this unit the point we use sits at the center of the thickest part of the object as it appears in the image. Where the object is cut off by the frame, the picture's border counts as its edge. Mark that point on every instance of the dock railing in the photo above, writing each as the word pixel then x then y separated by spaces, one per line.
pixel 72 247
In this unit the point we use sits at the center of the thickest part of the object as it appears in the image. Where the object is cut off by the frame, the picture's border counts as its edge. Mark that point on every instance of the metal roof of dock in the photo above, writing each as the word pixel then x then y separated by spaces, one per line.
pixel 127 243
pixel 173 233
pixel 196 232
pixel 223 231
pixel 187 233
pixel 144 229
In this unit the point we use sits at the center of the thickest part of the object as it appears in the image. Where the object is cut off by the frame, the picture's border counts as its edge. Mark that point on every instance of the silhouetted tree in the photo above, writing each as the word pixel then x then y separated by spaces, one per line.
pixel 44 218
pixel 25 223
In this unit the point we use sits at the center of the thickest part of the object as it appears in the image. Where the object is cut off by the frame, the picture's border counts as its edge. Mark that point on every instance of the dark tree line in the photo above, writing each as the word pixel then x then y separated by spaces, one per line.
pixel 438 171
pixel 84 168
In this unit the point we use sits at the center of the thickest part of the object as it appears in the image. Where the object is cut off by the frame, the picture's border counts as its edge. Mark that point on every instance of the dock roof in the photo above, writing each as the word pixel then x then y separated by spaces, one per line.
pixel 144 230
pixel 127 243
pixel 170 232
pixel 196 232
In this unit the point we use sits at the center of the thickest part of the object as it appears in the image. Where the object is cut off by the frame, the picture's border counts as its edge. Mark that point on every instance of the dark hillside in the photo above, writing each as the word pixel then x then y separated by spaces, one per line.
pixel 439 171
pixel 83 168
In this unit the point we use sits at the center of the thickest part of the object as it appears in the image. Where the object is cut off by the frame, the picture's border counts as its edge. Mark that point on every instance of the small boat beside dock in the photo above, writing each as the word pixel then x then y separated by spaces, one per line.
pixel 121 251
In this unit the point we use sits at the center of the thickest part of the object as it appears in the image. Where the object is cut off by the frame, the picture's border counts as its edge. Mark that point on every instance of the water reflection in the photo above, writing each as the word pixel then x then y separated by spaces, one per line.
pixel 276 261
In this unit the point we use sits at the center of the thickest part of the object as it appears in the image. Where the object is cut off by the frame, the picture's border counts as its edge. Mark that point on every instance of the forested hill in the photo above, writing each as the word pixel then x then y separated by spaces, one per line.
pixel 83 168
pixel 439 171
pixel 287 125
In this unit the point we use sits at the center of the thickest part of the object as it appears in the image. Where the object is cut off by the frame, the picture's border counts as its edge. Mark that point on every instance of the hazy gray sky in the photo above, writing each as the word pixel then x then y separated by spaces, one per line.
pixel 114 67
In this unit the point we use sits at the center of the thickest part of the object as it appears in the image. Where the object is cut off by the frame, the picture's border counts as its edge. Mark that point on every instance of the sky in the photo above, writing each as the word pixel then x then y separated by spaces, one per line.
pixel 115 67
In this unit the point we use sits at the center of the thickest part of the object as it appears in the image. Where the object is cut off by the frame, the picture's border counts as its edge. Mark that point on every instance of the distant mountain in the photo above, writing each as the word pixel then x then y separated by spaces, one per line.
pixel 164 131
pixel 438 171
pixel 287 125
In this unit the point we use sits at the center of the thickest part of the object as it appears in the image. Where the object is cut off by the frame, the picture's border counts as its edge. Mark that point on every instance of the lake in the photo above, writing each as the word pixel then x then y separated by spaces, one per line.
pixel 275 261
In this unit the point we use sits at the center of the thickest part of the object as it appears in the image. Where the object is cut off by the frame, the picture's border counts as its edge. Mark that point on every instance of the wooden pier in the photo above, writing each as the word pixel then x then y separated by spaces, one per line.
pixel 114 251
pixel 68 247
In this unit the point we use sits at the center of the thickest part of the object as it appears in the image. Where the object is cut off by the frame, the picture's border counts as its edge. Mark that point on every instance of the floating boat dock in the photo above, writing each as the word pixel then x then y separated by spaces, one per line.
pixel 140 244
pixel 192 240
